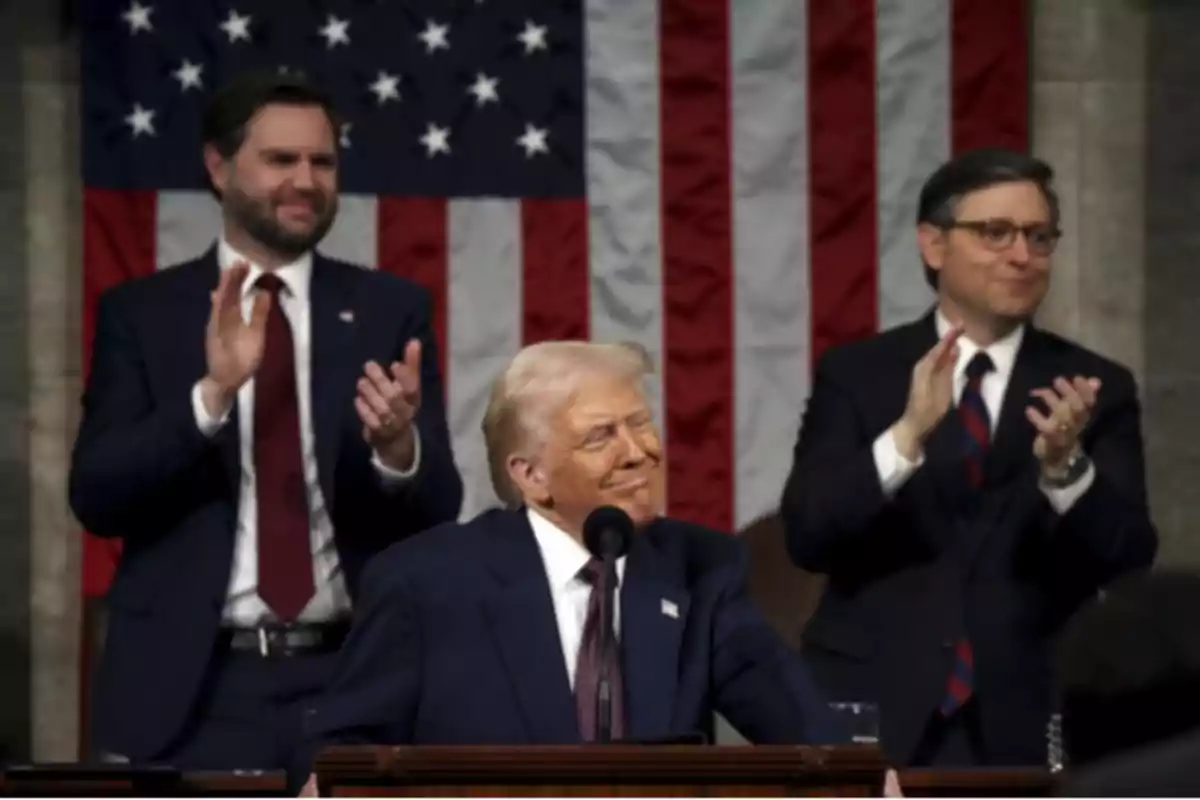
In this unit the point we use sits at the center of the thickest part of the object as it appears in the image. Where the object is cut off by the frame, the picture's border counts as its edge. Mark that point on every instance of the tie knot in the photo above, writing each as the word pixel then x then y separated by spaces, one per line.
pixel 591 572
pixel 269 282
pixel 980 365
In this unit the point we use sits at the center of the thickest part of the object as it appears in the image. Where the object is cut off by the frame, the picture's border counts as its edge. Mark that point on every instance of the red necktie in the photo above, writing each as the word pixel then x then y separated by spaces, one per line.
pixel 976 422
pixel 587 668
pixel 285 574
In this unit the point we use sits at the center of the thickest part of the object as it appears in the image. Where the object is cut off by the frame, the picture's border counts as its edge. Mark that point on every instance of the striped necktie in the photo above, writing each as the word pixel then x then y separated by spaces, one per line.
pixel 977 425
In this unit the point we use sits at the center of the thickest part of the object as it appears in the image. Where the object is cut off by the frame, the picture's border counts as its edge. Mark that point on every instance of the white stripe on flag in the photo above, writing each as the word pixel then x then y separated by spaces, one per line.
pixel 913 123
pixel 353 235
pixel 187 225
pixel 770 245
pixel 483 328
pixel 622 156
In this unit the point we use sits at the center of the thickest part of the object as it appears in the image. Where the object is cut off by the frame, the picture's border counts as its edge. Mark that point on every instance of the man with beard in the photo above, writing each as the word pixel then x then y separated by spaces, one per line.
pixel 257 423
pixel 965 481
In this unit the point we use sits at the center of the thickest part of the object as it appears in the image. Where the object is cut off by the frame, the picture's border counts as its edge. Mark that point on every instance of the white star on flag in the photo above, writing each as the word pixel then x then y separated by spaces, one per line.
pixel 436 140
pixel 140 120
pixel 435 37
pixel 188 75
pixel 334 31
pixel 137 16
pixel 533 37
pixel 484 89
pixel 236 26
pixel 533 141
pixel 385 87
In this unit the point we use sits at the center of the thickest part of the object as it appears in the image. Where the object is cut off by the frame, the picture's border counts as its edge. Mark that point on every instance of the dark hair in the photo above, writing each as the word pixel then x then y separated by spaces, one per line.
pixel 233 107
pixel 975 170
pixel 1128 665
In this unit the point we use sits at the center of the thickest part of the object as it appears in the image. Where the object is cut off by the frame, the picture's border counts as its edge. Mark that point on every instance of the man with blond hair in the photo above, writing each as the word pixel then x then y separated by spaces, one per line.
pixel 481 632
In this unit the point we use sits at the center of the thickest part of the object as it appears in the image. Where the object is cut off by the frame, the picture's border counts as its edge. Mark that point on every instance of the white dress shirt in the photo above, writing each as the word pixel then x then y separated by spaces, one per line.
pixel 563 557
pixel 894 469
pixel 243 606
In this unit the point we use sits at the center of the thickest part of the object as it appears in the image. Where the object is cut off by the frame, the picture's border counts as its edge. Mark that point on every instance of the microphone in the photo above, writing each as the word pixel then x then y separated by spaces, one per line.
pixel 607 533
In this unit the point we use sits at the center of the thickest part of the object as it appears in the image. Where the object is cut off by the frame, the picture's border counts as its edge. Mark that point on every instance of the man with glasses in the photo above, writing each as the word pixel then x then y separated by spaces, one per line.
pixel 965 481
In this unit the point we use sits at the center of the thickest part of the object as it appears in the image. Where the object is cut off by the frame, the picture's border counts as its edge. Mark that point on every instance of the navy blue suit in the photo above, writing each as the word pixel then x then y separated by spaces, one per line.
pixel 455 642
pixel 910 575
pixel 142 470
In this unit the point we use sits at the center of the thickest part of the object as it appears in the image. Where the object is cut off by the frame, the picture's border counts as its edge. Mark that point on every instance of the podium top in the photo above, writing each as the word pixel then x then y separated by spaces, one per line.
pixel 607 764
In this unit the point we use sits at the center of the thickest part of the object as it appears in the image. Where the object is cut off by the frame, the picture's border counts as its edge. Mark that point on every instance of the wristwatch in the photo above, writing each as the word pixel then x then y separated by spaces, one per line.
pixel 1075 469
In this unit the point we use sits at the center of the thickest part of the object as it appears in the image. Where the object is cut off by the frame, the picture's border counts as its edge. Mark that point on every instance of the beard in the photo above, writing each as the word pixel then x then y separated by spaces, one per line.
pixel 258 218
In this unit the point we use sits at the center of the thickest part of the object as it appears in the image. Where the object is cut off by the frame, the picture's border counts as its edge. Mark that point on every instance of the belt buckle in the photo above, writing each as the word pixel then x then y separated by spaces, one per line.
pixel 264 643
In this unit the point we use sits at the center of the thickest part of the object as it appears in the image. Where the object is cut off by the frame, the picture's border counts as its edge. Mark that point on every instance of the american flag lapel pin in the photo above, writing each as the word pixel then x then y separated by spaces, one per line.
pixel 669 609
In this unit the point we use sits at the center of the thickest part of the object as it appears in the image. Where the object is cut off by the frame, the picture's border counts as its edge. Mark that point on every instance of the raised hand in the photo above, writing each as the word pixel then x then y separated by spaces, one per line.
pixel 233 347
pixel 387 402
pixel 1070 403
pixel 930 393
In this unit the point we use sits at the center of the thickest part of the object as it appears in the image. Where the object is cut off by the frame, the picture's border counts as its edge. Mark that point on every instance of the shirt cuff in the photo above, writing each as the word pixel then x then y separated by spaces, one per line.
pixel 207 424
pixel 893 468
pixel 395 477
pixel 1063 498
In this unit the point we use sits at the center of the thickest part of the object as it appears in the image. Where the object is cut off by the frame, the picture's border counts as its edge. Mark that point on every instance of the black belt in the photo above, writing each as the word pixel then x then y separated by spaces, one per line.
pixel 275 640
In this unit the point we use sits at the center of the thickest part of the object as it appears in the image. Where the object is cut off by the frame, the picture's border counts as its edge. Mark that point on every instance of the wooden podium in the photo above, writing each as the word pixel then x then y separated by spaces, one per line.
pixel 601 770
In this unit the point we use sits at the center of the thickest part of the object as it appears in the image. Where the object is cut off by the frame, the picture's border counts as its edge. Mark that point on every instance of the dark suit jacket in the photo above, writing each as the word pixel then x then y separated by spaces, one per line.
pixel 906 578
pixel 455 642
pixel 142 470
pixel 1162 769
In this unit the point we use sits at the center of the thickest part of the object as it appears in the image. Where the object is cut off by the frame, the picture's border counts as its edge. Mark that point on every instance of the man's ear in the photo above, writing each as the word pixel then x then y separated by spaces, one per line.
pixel 931 240
pixel 218 168
pixel 530 478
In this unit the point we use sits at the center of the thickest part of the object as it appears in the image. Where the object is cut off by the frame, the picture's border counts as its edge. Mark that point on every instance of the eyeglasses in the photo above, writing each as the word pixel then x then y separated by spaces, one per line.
pixel 999 234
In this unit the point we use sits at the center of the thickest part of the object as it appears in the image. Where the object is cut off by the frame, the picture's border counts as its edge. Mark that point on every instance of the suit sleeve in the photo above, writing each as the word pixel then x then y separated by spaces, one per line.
pixel 1108 530
pixel 835 492
pixel 372 698
pixel 434 494
pixel 134 458
pixel 761 685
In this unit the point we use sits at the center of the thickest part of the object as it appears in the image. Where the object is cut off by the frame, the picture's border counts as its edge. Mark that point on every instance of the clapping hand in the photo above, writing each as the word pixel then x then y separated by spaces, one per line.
pixel 387 402
pixel 1070 403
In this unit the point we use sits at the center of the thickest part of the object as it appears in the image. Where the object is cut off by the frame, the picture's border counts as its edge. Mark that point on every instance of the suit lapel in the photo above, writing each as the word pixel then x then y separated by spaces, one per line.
pixel 653 613
pixel 522 619
pixel 333 364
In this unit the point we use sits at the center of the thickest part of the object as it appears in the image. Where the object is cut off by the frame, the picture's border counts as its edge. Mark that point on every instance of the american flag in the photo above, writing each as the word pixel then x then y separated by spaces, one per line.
pixel 730 183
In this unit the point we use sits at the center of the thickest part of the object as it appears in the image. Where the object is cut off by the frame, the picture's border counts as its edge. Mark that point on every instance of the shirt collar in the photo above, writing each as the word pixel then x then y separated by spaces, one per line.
pixel 295 275
pixel 563 555
pixel 1003 352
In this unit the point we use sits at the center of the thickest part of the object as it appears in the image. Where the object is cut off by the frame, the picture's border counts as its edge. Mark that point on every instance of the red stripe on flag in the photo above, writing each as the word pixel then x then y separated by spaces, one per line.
pixel 697 259
pixel 554 245
pixel 119 242
pixel 842 172
pixel 411 241
pixel 989 75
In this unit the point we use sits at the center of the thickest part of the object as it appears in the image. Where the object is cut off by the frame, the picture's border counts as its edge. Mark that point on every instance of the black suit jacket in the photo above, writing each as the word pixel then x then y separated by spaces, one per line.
pixel 142 470
pixel 455 641
pixel 909 576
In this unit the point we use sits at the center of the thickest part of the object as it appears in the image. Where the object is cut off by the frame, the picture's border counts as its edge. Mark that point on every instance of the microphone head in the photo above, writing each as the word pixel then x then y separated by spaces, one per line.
pixel 607 532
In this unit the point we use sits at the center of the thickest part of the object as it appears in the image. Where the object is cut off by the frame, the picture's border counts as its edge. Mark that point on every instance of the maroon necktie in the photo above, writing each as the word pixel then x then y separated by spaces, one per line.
pixel 977 425
pixel 587 669
pixel 285 574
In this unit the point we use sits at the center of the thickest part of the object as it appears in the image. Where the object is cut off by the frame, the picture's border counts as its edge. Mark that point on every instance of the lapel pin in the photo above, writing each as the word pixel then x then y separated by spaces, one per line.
pixel 669 609
pixel 346 316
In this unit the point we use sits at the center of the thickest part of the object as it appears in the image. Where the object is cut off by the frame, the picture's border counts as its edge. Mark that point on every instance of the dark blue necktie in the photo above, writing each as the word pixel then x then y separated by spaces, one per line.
pixel 977 427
